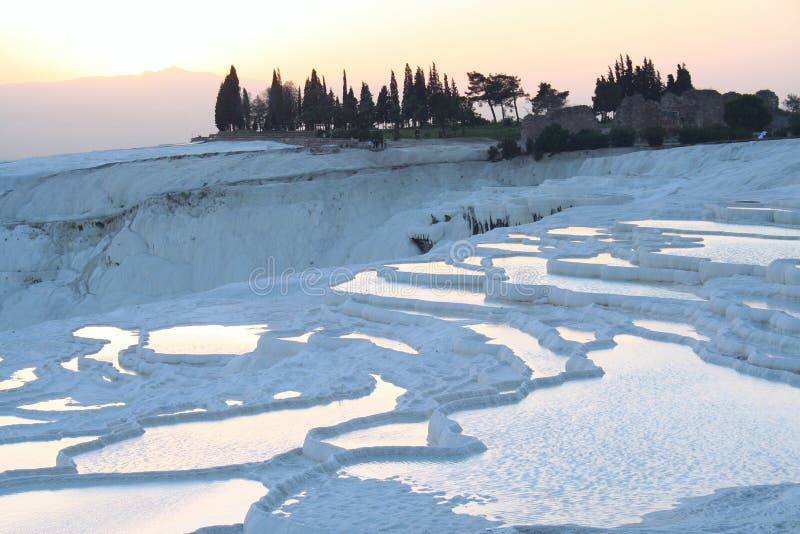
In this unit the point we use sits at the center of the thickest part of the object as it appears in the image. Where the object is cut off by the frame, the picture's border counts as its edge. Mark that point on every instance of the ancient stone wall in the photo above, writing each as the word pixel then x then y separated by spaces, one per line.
pixel 696 108
pixel 573 118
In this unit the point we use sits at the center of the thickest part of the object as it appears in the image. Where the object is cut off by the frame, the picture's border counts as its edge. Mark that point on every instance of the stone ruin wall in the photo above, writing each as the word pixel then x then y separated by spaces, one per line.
pixel 698 108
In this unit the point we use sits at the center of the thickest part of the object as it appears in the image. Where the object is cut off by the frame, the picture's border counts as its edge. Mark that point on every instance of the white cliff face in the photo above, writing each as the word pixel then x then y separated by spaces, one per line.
pixel 583 332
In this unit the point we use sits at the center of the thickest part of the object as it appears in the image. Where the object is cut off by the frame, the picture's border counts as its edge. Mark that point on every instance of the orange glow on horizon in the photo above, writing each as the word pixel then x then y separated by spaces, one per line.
pixel 740 45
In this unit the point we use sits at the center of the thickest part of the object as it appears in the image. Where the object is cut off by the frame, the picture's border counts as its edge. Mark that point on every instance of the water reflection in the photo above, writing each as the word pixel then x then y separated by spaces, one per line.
pixel 206 339
pixel 248 438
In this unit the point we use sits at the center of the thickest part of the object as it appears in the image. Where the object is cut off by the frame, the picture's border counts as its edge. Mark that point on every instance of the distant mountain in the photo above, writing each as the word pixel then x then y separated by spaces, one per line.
pixel 168 106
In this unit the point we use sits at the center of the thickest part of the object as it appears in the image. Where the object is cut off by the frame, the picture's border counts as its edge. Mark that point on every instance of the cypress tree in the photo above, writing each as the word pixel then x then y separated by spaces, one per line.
pixel 350 108
pixel 366 108
pixel 683 80
pixel 220 119
pixel 228 108
pixel 349 103
pixel 382 106
pixel 421 112
pixel 434 84
pixel 245 109
pixel 275 107
pixel 408 95
pixel 299 105
pixel 394 102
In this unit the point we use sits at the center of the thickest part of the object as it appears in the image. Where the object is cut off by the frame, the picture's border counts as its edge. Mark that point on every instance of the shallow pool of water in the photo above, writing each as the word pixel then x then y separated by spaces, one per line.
pixel 574 334
pixel 433 267
pixel 383 342
pixel 134 508
pixel 736 249
pixel 785 306
pixel 249 438
pixel 118 340
pixel 34 454
pixel 206 339
pixel 514 247
pixel 531 270
pixel 368 282
pixel 717 227
pixel 67 404
pixel 659 426
pixel 543 361
pixel 414 434
pixel 18 379
pixel 288 394
pixel 8 420
pixel 670 327
pixel 586 231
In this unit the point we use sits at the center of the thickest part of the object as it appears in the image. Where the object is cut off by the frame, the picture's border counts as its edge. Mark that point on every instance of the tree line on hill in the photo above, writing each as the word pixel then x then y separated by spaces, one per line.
pixel 624 79
pixel 435 101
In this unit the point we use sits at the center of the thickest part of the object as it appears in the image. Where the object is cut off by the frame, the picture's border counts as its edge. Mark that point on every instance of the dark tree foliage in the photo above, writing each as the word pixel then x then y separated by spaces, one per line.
pixel 228 108
pixel 275 108
pixel 792 103
pixel 548 99
pixel 607 95
pixel 284 106
pixel 349 104
pixel 510 89
pixel 315 108
pixel 622 137
pixel 647 81
pixel 625 79
pixel 482 89
pixel 681 82
pixel 654 135
pixel 623 75
pixel 692 135
pixel 554 138
pixel 747 111
pixel 245 110
pixel 291 113
pixel 509 148
pixel 395 111
pixel 366 108
pixel 350 108
pixel 258 113
pixel 409 104
pixel 434 82
pixel 382 106
pixel 794 123
pixel 421 110
pixel 588 140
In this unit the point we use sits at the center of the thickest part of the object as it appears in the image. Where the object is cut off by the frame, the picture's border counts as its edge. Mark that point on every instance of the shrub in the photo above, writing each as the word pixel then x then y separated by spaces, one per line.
pixel 588 140
pixel 508 122
pixel 654 135
pixel 693 135
pixel 509 148
pixel 553 139
pixel 794 123
pixel 740 133
pixel 494 153
pixel 622 137
pixel 747 111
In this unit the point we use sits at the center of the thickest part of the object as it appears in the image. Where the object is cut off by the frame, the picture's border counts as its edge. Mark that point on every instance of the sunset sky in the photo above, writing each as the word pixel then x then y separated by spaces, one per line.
pixel 738 45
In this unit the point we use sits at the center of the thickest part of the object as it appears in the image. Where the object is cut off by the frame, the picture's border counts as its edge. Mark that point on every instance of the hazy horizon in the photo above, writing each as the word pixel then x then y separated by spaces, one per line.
pixel 739 45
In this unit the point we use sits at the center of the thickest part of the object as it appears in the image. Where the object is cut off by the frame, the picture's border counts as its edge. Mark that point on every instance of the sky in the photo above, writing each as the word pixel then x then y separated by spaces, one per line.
pixel 740 45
